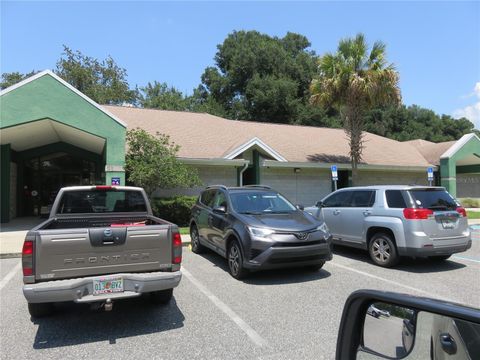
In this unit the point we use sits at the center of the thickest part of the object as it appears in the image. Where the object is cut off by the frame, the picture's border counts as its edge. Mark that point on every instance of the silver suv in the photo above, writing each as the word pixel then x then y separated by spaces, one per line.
pixel 394 221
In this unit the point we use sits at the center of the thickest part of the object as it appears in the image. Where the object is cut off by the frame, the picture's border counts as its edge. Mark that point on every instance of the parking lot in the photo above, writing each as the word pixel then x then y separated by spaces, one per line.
pixel 270 315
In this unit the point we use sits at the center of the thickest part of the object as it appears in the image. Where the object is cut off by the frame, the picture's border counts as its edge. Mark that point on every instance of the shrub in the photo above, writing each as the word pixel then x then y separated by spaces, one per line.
pixel 470 203
pixel 174 209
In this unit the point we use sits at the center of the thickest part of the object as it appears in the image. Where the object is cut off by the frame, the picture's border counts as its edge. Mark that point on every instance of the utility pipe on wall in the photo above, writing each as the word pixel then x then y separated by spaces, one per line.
pixel 240 181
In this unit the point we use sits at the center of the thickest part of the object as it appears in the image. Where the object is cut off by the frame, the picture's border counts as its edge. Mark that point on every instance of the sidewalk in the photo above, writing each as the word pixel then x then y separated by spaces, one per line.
pixel 13 234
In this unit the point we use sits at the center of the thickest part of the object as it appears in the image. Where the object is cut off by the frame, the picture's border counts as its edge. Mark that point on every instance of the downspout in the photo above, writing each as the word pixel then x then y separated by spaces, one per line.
pixel 240 175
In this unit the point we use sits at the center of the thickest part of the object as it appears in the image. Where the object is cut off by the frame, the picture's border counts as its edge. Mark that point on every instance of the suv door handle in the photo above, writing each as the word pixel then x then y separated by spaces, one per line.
pixel 366 213
pixel 336 212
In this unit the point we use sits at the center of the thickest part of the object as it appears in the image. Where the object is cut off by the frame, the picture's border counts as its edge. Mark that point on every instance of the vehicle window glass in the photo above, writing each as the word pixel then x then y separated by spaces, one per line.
pixel 340 199
pixel 434 199
pixel 220 200
pixel 253 202
pixel 395 199
pixel 101 201
pixel 363 198
pixel 207 197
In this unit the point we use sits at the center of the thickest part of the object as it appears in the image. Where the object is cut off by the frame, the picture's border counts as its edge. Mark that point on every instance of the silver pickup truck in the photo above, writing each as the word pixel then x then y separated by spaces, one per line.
pixel 100 244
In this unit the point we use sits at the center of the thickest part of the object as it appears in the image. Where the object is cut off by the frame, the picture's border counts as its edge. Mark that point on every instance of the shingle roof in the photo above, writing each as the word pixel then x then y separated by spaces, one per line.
pixel 431 151
pixel 206 136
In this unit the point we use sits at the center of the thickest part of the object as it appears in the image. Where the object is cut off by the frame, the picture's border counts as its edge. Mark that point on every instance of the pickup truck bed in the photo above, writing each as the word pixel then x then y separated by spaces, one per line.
pixel 99 257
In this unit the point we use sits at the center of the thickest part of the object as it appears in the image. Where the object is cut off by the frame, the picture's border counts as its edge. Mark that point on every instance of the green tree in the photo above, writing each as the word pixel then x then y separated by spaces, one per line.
pixel 9 79
pixel 158 95
pixel 262 78
pixel 151 162
pixel 103 81
pixel 354 80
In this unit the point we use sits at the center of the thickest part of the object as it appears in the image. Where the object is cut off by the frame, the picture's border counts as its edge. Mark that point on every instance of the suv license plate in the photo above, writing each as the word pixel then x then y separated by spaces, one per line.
pixel 448 224
pixel 107 285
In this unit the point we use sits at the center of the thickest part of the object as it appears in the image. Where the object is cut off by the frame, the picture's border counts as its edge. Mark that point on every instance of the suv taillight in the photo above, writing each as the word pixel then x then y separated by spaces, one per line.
pixel 27 258
pixel 177 248
pixel 417 214
pixel 461 210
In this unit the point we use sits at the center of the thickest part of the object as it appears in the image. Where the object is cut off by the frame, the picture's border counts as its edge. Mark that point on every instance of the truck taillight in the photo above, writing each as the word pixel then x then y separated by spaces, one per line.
pixel 417 214
pixel 461 210
pixel 177 248
pixel 27 258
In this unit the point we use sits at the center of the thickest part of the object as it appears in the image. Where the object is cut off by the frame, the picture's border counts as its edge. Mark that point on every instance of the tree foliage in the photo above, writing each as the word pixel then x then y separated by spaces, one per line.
pixel 9 79
pixel 354 80
pixel 103 81
pixel 151 162
pixel 158 95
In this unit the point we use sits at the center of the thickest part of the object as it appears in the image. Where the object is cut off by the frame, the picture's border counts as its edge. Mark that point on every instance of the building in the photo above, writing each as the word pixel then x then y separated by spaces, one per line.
pixel 52 135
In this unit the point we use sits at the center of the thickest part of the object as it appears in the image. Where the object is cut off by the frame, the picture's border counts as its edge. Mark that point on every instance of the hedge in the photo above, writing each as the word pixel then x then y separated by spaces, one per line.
pixel 174 209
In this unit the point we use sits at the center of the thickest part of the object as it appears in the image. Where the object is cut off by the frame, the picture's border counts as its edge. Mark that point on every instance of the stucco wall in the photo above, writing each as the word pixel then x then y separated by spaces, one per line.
pixel 468 185
pixel 392 178
pixel 13 190
pixel 210 175
pixel 305 187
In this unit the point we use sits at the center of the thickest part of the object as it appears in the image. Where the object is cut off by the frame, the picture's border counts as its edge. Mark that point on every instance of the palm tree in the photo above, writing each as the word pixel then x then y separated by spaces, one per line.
pixel 353 80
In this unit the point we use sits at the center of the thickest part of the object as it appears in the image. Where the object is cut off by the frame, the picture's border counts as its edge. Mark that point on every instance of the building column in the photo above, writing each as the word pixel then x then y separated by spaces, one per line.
pixel 115 160
pixel 448 173
pixel 5 156
pixel 116 172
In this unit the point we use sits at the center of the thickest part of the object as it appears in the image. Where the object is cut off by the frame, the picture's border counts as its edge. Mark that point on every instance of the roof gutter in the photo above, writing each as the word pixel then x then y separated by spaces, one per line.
pixel 326 166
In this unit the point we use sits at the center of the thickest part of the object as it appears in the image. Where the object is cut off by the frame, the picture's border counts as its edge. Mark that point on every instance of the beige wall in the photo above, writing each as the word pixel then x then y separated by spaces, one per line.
pixel 468 185
pixel 392 178
pixel 305 187
pixel 210 175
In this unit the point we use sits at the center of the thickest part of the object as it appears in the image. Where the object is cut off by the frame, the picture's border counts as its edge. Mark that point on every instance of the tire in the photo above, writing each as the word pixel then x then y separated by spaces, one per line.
pixel 235 261
pixel 382 250
pixel 439 258
pixel 40 310
pixel 316 267
pixel 197 248
pixel 161 297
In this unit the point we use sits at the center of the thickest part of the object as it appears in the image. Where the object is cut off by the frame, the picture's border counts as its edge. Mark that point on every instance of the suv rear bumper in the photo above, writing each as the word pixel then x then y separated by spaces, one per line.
pixel 80 290
pixel 282 257
pixel 434 251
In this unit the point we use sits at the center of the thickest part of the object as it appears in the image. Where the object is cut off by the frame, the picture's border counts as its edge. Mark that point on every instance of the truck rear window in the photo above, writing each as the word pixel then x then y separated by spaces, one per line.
pixel 433 199
pixel 101 201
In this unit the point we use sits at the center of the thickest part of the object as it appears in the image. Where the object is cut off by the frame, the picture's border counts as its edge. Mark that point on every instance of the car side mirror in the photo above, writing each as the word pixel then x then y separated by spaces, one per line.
pixel 219 209
pixel 300 207
pixel 319 204
pixel 379 325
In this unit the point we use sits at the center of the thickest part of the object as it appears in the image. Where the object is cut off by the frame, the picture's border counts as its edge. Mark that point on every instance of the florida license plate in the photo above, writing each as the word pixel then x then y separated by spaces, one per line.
pixel 107 285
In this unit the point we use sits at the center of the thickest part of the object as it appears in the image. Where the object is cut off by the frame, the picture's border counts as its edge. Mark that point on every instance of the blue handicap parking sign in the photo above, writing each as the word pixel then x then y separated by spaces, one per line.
pixel 115 181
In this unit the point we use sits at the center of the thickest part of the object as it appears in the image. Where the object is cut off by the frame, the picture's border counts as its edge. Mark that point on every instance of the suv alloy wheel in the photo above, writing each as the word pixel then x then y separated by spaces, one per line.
pixel 382 250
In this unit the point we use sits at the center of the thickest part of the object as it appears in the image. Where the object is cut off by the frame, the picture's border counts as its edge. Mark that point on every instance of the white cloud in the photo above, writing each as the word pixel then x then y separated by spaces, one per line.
pixel 471 112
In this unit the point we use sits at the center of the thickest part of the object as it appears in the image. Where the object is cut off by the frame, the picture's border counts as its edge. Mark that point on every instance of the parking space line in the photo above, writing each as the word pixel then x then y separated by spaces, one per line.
pixel 252 334
pixel 429 294
pixel 9 276
pixel 466 258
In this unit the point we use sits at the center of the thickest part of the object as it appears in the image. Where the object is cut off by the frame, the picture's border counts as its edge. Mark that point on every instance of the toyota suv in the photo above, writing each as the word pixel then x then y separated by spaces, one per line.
pixel 394 221
pixel 255 228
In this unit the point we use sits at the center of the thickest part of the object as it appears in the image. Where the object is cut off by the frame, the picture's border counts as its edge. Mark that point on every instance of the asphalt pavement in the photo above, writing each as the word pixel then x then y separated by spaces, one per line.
pixel 280 314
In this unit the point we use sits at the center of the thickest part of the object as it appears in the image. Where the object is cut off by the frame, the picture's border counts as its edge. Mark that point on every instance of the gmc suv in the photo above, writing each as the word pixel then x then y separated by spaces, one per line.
pixel 396 220
pixel 255 227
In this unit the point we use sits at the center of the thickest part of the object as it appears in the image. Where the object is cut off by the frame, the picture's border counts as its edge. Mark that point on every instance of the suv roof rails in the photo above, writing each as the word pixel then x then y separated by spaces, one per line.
pixel 259 186
pixel 217 186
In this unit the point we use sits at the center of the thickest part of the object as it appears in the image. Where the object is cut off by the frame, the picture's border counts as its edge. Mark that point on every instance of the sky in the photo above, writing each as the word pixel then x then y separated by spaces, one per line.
pixel 435 46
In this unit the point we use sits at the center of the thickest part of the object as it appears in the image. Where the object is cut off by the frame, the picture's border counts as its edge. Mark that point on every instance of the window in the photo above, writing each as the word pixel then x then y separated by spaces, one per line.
pixel 220 200
pixel 253 202
pixel 434 199
pixel 207 197
pixel 340 199
pixel 395 199
pixel 363 198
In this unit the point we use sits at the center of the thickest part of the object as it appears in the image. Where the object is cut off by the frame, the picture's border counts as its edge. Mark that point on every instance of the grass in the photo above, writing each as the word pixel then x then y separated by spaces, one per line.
pixel 473 214
pixel 184 230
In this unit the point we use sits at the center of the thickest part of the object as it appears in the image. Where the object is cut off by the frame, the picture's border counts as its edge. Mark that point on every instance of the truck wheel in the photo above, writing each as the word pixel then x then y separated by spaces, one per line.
pixel 235 261
pixel 197 248
pixel 382 250
pixel 439 258
pixel 161 297
pixel 40 310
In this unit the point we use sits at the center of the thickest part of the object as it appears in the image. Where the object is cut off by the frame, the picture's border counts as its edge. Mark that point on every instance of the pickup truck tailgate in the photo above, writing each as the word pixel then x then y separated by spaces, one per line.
pixel 81 252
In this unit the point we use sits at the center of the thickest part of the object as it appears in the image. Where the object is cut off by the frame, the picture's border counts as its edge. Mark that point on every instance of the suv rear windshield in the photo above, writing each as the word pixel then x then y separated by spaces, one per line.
pixel 433 199
pixel 254 202
pixel 101 201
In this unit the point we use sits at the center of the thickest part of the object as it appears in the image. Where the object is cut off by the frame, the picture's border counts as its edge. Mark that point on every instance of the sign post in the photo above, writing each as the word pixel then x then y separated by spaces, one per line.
pixel 333 168
pixel 430 176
